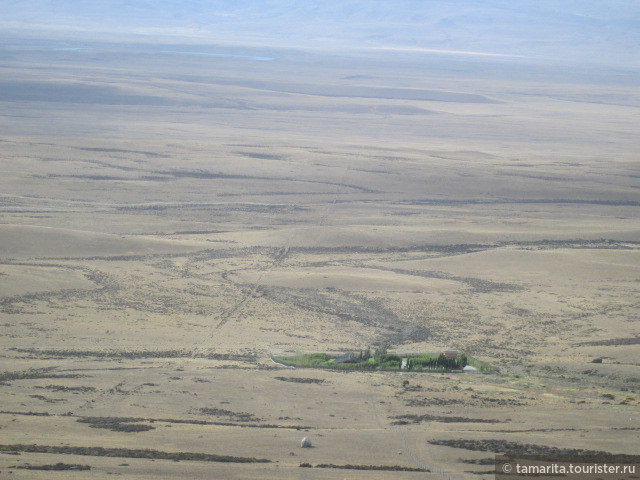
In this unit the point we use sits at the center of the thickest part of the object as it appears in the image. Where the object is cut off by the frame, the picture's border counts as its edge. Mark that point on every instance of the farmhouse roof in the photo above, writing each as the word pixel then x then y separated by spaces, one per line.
pixel 348 359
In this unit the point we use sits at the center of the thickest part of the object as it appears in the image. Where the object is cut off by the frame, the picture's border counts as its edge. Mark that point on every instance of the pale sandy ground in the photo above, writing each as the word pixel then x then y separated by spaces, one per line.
pixel 155 252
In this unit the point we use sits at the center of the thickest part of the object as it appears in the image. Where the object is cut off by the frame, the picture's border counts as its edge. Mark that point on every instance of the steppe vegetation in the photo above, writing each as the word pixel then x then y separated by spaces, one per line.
pixel 177 222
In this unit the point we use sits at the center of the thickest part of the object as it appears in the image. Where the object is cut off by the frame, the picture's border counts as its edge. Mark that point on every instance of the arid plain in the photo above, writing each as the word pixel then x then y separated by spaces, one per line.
pixel 173 215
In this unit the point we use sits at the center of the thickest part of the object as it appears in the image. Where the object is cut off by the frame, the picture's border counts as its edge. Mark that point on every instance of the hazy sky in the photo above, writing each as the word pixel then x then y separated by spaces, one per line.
pixel 581 30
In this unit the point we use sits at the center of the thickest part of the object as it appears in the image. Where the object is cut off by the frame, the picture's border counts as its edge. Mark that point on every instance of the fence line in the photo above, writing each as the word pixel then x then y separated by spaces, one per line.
pixel 424 466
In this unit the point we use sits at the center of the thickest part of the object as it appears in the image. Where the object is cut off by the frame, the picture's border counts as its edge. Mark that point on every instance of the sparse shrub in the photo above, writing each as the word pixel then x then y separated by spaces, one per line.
pixel 238 416
pixel 129 453
pixel 34 374
pixel 117 424
pixel 300 380
pixel 57 467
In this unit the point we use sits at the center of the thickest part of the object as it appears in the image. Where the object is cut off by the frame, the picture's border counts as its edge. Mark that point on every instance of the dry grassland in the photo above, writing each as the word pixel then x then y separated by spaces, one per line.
pixel 169 222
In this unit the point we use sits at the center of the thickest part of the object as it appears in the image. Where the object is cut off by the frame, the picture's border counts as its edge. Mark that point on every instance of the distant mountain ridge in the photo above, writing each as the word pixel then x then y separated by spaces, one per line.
pixel 540 28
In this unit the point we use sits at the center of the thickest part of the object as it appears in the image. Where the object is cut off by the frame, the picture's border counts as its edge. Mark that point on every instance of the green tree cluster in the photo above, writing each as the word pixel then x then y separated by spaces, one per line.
pixel 439 362
pixel 381 350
